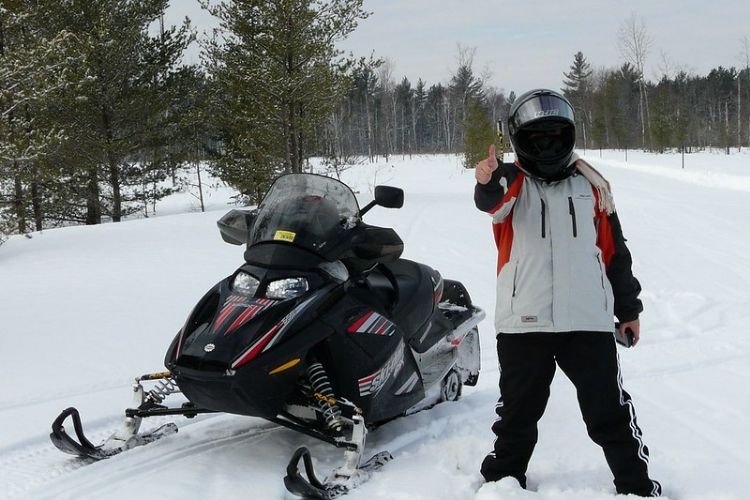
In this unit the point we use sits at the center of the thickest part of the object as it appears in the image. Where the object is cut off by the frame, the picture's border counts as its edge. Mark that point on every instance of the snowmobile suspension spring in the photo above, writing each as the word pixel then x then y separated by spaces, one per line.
pixel 163 389
pixel 326 399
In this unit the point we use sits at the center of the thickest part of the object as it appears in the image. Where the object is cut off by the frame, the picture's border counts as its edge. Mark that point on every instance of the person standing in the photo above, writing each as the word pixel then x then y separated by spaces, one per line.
pixel 563 274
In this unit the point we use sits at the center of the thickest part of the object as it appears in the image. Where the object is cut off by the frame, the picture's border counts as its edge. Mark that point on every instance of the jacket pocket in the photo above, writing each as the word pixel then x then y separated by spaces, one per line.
pixel 506 289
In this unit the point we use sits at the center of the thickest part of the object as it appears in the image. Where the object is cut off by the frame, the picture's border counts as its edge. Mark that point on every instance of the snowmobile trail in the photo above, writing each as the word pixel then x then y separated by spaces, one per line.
pixel 35 462
pixel 260 450
pixel 82 478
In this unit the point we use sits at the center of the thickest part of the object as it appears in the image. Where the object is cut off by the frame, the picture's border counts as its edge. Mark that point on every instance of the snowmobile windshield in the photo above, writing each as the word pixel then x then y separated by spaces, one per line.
pixel 306 210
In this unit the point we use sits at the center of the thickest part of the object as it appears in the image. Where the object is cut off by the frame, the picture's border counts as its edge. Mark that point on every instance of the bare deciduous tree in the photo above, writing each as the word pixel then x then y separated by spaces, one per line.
pixel 634 42
pixel 744 58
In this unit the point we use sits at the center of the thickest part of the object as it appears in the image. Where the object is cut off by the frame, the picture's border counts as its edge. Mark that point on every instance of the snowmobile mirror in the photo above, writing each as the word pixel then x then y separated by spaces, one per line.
pixel 385 196
pixel 389 197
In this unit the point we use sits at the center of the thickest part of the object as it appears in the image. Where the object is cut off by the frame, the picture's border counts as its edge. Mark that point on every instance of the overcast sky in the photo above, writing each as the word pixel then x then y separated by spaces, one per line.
pixel 523 44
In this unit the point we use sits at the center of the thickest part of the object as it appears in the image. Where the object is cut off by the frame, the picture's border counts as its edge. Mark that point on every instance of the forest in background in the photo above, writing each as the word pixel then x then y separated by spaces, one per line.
pixel 100 116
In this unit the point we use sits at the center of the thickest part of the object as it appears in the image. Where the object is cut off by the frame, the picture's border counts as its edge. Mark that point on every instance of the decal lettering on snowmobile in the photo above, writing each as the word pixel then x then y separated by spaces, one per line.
pixel 371 384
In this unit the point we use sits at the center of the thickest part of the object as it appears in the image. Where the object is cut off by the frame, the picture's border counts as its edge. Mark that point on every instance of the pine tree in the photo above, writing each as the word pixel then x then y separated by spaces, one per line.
pixel 465 89
pixel 34 70
pixel 419 114
pixel 99 100
pixel 577 88
pixel 120 105
pixel 277 76
pixel 479 134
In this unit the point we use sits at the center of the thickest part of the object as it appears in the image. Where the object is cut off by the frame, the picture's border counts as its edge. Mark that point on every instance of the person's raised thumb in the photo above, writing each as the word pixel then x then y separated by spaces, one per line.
pixel 492 158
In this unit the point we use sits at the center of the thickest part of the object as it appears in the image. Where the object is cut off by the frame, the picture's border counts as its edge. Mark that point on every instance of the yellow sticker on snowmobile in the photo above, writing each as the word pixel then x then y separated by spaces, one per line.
pixel 284 235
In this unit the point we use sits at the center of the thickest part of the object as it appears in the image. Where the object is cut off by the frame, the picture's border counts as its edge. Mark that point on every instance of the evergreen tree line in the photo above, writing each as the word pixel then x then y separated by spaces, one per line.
pixel 678 112
pixel 98 112
pixel 93 109
pixel 379 117
pixel 687 111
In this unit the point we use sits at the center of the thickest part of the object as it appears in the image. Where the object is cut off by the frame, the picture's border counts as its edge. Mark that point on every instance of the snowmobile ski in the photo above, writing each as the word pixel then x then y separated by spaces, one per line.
pixel 145 404
pixel 344 478
pixel 333 487
pixel 114 445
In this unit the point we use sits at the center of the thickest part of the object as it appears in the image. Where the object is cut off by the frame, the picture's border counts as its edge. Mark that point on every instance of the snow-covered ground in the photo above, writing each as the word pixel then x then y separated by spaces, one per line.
pixel 85 309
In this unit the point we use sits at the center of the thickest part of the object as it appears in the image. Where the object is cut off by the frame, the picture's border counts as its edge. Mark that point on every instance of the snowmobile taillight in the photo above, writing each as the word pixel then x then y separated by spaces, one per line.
pixel 287 288
pixel 245 283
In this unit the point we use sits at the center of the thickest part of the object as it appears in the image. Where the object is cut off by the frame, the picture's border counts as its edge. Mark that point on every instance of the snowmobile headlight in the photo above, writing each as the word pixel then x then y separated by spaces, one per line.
pixel 245 283
pixel 287 288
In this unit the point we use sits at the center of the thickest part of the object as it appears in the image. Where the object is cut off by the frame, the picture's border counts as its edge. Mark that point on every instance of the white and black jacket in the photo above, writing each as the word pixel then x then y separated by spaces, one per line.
pixel 562 261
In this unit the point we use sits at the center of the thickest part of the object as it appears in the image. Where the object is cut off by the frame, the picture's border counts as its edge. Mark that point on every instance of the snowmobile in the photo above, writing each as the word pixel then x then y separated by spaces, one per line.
pixel 324 330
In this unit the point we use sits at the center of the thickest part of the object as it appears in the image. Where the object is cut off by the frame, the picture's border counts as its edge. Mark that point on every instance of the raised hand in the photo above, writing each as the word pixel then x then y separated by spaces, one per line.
pixel 484 169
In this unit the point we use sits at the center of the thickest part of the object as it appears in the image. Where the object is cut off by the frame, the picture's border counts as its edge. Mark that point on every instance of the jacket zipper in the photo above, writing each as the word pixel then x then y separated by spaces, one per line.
pixel 572 210
pixel 544 230
pixel 601 275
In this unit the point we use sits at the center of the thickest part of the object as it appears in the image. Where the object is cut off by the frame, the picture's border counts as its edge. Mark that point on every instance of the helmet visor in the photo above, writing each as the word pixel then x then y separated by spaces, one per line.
pixel 546 141
pixel 547 106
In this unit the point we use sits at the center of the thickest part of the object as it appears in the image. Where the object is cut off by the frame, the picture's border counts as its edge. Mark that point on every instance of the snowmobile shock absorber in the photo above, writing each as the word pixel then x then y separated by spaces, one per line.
pixel 323 392
pixel 163 388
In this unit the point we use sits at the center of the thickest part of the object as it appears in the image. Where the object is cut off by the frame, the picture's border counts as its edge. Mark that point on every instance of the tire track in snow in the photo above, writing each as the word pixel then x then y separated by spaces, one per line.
pixel 42 472
pixel 37 464
pixel 136 463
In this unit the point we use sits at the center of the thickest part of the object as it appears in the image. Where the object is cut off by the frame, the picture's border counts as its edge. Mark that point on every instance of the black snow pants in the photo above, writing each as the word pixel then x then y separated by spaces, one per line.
pixel 589 359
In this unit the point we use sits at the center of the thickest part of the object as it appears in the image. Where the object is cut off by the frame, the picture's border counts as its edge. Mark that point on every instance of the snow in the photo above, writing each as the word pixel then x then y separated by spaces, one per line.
pixel 83 310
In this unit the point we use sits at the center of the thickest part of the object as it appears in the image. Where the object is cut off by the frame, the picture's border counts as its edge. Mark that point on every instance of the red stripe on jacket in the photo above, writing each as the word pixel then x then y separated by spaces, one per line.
pixel 503 231
pixel 604 239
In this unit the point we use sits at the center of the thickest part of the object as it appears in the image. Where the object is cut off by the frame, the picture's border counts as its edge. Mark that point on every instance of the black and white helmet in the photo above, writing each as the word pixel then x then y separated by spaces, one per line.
pixel 542 130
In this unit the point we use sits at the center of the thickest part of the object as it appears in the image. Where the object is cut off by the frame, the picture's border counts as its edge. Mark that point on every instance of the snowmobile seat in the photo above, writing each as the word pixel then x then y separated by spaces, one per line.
pixel 412 302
